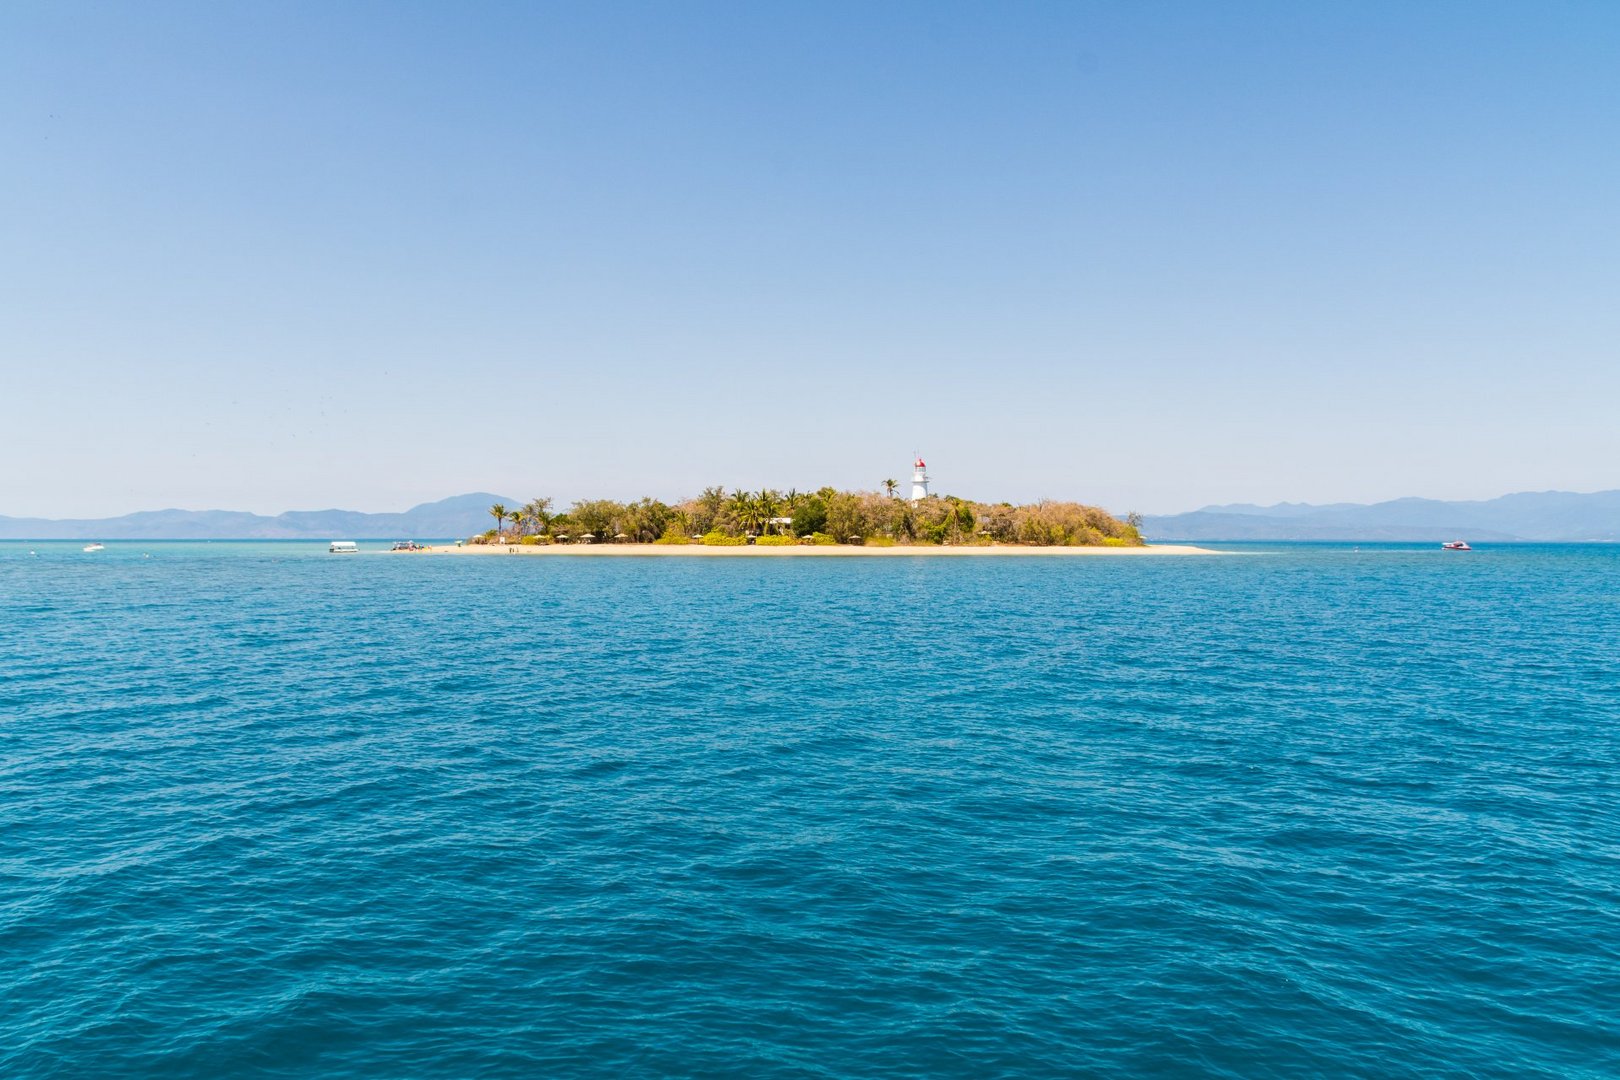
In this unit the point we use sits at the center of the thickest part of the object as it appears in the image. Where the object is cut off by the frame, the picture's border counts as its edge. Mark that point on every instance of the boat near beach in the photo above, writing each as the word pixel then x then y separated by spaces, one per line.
pixel 1456 545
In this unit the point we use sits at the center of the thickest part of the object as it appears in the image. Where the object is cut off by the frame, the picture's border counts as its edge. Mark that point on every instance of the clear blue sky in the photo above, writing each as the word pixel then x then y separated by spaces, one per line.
pixel 1149 255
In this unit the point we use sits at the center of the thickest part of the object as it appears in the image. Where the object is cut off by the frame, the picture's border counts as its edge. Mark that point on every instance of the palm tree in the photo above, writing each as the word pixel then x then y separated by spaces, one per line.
pixel 498 512
pixel 769 503
pixel 746 509
pixel 890 486
pixel 741 506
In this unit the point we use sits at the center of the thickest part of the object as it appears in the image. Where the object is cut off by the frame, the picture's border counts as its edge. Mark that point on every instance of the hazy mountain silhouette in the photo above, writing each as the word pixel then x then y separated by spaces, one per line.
pixel 1529 515
pixel 460 515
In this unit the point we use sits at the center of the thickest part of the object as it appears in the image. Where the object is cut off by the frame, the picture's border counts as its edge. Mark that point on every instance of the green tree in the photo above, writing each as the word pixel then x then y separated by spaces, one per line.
pixel 645 520
pixel 890 487
pixel 539 511
pixel 810 515
pixel 710 505
pixel 498 512
pixel 958 519
pixel 769 503
pixel 846 517
pixel 743 510
pixel 599 517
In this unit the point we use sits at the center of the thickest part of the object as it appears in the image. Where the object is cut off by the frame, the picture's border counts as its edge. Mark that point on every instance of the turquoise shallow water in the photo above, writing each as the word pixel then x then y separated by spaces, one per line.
pixel 1307 811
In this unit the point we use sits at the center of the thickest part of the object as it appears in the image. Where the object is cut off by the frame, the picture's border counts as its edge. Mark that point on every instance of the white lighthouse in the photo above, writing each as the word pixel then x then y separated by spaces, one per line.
pixel 919 481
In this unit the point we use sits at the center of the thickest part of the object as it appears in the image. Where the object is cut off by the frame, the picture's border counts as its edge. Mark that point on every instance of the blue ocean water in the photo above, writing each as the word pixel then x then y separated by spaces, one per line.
pixel 1303 810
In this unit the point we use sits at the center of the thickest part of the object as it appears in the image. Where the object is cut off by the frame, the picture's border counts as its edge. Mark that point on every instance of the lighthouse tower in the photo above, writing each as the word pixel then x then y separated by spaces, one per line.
pixel 919 481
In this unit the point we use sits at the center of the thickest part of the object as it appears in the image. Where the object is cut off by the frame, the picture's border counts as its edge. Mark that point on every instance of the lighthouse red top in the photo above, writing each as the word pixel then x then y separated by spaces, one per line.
pixel 921 464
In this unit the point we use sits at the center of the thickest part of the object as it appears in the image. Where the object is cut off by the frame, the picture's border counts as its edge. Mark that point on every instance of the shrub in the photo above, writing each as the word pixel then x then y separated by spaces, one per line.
pixel 776 541
pixel 672 537
pixel 821 538
pixel 1062 524
pixel 716 538
pixel 880 541
pixel 531 540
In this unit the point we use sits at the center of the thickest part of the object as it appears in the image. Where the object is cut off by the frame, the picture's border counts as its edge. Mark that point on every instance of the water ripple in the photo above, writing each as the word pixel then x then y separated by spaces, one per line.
pixel 1313 812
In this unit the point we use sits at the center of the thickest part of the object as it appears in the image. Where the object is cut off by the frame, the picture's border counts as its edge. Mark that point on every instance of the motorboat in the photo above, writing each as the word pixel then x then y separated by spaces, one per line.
pixel 1456 545
pixel 95 547
pixel 343 547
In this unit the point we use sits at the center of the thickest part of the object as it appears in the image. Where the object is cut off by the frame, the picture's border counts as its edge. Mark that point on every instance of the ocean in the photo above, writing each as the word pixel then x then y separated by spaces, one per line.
pixel 1303 810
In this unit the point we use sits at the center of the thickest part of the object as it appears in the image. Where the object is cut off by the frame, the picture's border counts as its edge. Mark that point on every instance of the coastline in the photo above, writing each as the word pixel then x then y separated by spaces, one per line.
pixel 799 551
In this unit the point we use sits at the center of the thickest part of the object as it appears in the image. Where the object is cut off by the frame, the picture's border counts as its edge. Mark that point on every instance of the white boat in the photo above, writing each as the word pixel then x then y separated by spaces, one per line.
pixel 343 547
pixel 1456 545
pixel 95 547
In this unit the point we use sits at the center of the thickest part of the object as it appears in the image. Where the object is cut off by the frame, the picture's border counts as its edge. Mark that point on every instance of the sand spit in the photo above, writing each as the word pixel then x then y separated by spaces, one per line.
pixel 803 551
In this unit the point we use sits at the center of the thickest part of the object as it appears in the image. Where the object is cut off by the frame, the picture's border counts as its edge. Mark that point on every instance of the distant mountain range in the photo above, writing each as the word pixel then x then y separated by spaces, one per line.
pixel 1530 515
pixel 461 515
pixel 1537 515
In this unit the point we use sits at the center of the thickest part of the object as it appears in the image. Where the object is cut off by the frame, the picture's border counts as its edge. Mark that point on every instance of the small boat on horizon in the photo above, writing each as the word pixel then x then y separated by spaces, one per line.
pixel 343 547
pixel 1456 545
pixel 95 547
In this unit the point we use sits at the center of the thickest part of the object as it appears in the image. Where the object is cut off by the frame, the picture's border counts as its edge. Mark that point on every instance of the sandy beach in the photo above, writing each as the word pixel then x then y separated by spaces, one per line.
pixel 803 551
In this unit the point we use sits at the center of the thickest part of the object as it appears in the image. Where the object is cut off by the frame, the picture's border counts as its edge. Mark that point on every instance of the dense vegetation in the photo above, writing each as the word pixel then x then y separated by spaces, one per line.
pixel 826 516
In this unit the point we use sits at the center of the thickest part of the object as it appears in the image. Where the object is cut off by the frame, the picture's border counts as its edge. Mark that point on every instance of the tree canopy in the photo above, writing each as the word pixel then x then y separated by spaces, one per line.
pixel 827 515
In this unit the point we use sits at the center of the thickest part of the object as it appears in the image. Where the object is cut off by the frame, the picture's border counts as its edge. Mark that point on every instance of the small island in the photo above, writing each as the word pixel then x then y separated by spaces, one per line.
pixel 822 522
